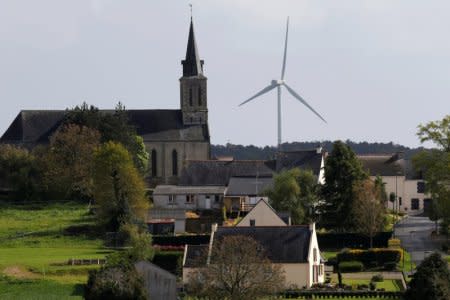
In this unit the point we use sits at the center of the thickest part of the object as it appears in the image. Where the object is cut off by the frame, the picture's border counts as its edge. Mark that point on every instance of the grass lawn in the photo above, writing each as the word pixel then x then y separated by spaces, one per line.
pixel 35 245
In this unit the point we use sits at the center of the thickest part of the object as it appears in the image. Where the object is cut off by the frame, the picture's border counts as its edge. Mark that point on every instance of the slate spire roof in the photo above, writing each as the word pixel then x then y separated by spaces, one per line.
pixel 192 65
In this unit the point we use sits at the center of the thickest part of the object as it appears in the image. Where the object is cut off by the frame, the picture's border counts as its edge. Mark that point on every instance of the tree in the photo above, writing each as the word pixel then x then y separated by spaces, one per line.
pixel 19 171
pixel 238 268
pixel 119 190
pixel 435 165
pixel 342 170
pixel 431 280
pixel 368 209
pixel 68 161
pixel 112 127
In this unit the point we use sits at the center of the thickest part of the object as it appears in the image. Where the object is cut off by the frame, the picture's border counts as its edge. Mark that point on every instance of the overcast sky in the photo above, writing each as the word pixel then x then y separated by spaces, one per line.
pixel 373 69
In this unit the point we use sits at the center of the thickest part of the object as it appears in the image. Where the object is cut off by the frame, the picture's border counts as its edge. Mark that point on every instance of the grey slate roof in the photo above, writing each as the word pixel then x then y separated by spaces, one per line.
pixel 248 186
pixel 192 65
pixel 36 126
pixel 382 164
pixel 196 255
pixel 182 190
pixel 282 244
pixel 216 172
pixel 304 159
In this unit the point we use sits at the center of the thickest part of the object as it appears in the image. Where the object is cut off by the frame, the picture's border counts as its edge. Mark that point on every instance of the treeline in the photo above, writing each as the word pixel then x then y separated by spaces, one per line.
pixel 251 152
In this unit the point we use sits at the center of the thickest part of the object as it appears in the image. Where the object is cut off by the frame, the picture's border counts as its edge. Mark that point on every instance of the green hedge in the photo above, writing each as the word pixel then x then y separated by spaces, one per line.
pixel 371 258
pixel 169 260
pixel 350 266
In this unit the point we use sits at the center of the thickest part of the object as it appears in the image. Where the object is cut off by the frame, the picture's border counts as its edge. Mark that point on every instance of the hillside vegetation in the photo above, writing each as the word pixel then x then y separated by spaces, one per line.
pixel 36 242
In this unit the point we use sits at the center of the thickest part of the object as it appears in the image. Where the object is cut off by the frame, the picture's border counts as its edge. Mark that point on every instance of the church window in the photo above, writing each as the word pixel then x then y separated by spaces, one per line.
pixel 199 96
pixel 190 97
pixel 154 165
pixel 174 163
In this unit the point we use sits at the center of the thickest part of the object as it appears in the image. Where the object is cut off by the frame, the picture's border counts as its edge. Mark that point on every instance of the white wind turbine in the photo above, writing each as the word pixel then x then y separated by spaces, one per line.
pixel 278 84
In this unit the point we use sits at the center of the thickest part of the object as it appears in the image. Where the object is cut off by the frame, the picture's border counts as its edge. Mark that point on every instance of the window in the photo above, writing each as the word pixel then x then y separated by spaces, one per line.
pixel 190 199
pixel 154 165
pixel 190 97
pixel 216 198
pixel 171 199
pixel 400 201
pixel 415 203
pixel 174 163
pixel 315 254
pixel 420 187
pixel 252 222
pixel 199 96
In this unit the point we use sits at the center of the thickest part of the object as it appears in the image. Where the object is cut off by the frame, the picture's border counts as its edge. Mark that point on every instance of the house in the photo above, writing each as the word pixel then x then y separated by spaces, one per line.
pixel 171 136
pixel 400 180
pixel 294 248
pixel 262 214
pixel 313 160
pixel 243 193
pixel 159 284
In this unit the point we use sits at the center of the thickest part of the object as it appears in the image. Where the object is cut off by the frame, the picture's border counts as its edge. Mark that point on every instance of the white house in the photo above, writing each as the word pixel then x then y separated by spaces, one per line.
pixel 295 248
pixel 262 214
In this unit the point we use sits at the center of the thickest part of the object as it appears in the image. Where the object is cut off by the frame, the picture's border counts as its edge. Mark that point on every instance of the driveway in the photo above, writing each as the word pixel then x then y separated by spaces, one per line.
pixel 415 235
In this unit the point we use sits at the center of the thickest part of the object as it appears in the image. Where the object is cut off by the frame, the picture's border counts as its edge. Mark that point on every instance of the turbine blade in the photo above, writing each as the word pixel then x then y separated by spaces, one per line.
pixel 293 93
pixel 261 92
pixel 285 50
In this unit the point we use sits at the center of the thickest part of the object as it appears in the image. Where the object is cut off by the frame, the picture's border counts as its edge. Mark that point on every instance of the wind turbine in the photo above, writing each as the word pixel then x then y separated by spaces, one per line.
pixel 278 84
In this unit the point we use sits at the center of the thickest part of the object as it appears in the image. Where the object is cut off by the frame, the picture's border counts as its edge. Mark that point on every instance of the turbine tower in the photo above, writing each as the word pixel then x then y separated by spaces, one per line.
pixel 278 84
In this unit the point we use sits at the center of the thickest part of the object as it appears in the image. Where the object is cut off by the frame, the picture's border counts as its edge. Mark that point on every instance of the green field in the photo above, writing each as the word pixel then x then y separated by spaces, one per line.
pixel 35 244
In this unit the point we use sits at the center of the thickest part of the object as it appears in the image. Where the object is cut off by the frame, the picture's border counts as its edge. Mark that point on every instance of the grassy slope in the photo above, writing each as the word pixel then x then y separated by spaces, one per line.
pixel 34 249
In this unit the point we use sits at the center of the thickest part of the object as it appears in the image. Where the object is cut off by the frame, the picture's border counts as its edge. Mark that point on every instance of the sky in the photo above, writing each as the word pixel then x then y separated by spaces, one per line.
pixel 373 69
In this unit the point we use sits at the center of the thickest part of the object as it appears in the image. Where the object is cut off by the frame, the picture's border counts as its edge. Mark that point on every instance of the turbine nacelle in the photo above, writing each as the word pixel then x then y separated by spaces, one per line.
pixel 277 82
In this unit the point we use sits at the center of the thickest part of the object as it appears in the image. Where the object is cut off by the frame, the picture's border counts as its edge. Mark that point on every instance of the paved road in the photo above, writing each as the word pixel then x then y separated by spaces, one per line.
pixel 415 235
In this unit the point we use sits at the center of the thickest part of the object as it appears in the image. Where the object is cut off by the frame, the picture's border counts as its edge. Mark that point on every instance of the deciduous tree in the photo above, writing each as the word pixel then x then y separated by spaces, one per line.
pixel 435 165
pixel 119 191
pixel 238 268
pixel 368 208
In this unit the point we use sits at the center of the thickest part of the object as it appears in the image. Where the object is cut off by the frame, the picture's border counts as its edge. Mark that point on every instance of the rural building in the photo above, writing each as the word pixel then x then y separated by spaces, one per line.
pixel 400 179
pixel 262 214
pixel 295 248
pixel 171 136
pixel 159 284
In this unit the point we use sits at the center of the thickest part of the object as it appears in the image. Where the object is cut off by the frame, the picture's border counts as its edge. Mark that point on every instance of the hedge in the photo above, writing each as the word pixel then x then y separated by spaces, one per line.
pixel 180 240
pixel 334 240
pixel 372 257
pixel 350 266
pixel 169 260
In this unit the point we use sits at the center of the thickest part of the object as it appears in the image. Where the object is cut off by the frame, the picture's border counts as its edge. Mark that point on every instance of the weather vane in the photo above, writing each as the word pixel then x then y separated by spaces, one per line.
pixel 190 5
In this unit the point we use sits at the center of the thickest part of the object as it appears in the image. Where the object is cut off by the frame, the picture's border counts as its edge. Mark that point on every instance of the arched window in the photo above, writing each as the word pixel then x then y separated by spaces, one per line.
pixel 174 163
pixel 199 96
pixel 190 96
pixel 154 164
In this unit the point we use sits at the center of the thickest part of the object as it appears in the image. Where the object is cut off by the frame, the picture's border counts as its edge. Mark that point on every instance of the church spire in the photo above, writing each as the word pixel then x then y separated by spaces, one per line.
pixel 192 65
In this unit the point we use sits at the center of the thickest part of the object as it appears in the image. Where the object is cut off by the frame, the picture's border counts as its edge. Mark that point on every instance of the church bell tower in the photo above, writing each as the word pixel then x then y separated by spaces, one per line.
pixel 193 96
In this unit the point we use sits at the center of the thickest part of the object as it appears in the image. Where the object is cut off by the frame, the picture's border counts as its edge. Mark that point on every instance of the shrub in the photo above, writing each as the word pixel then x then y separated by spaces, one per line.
pixel 169 261
pixel 394 243
pixel 372 286
pixel 390 266
pixel 378 256
pixel 350 266
pixel 377 278
pixel 445 247
pixel 114 283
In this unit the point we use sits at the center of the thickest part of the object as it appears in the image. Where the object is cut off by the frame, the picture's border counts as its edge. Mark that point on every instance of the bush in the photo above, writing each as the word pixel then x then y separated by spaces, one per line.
pixel 372 286
pixel 445 247
pixel 390 266
pixel 333 240
pixel 350 266
pixel 377 278
pixel 372 257
pixel 114 283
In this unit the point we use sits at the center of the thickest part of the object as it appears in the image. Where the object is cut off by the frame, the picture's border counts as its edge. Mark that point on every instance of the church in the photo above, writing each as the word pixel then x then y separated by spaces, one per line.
pixel 171 136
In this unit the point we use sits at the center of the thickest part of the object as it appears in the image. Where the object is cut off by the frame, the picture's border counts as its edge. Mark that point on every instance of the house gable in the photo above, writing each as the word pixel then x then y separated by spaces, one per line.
pixel 263 215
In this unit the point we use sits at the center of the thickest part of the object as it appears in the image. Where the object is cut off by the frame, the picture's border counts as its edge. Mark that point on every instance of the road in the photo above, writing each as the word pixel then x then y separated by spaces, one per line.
pixel 415 235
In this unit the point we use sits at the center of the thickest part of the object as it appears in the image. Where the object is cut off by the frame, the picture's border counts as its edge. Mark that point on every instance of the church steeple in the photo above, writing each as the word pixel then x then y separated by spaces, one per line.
pixel 193 96
pixel 192 65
